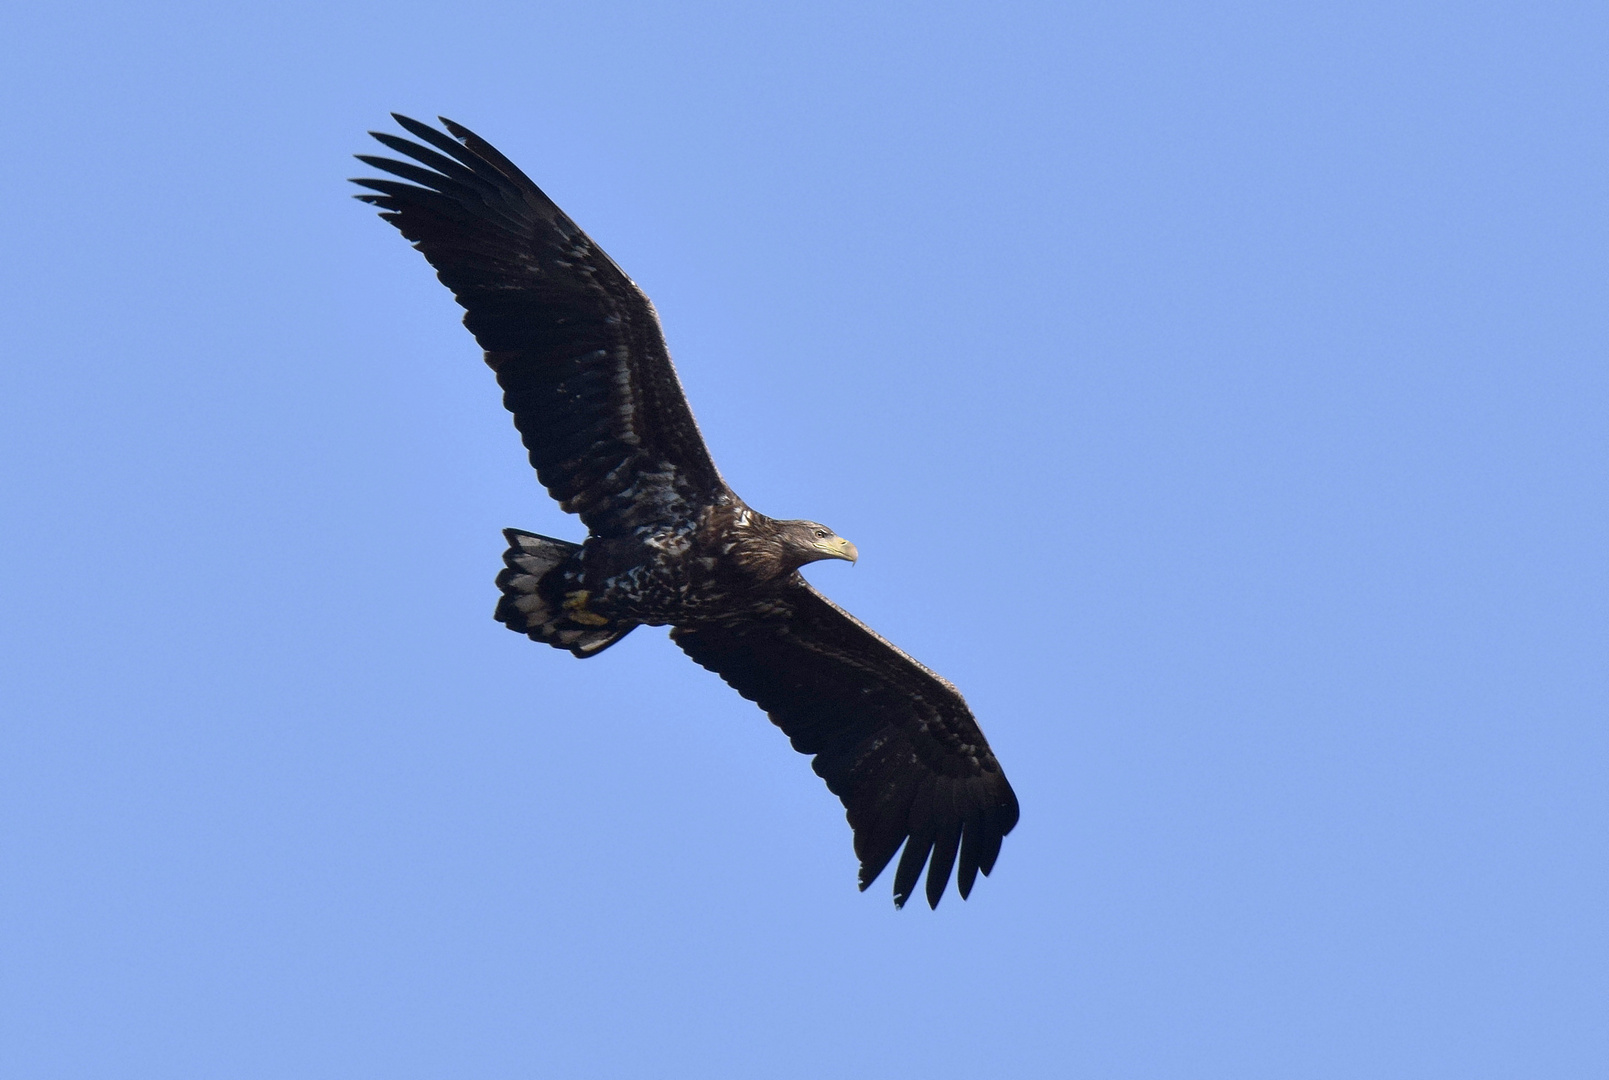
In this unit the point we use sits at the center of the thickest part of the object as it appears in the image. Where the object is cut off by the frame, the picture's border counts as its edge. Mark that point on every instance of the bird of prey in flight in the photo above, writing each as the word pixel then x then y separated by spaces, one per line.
pixel 584 369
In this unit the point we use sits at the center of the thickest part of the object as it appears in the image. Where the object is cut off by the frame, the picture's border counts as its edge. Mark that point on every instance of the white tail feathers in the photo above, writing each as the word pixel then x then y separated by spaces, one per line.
pixel 532 602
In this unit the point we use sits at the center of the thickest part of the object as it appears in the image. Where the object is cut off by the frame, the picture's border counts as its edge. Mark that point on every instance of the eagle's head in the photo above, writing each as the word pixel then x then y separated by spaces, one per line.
pixel 769 550
pixel 809 541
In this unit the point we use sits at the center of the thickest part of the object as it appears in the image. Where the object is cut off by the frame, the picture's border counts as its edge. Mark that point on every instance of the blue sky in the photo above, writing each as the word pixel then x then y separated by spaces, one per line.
pixel 1216 394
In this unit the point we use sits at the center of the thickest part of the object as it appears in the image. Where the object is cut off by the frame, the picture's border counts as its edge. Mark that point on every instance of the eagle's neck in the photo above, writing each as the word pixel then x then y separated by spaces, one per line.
pixel 753 544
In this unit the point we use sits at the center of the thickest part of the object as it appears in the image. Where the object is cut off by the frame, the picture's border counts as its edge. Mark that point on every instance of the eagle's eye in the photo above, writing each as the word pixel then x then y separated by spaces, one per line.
pixel 821 534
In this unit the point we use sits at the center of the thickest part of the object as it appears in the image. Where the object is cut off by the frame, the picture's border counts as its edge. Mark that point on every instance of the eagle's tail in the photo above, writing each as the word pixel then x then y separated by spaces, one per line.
pixel 534 601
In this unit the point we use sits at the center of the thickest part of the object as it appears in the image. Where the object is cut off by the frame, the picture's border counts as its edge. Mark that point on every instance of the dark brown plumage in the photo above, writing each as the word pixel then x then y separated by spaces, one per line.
pixel 578 351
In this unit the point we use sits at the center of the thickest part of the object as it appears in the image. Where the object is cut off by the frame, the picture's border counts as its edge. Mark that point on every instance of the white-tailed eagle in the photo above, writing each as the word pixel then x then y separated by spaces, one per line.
pixel 578 351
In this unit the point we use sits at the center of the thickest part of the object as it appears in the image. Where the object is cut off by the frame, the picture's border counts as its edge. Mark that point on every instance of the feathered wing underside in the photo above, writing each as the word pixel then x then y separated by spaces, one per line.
pixel 892 740
pixel 576 346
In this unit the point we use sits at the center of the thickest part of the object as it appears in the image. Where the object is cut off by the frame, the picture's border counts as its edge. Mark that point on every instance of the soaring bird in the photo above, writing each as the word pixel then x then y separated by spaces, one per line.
pixel 582 362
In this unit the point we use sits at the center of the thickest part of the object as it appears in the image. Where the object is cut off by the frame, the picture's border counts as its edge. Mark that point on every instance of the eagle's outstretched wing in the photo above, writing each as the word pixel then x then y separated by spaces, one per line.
pixel 893 740
pixel 576 345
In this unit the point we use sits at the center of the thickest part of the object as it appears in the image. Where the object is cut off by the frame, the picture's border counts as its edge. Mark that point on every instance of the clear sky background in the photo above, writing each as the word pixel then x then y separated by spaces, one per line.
pixel 1216 393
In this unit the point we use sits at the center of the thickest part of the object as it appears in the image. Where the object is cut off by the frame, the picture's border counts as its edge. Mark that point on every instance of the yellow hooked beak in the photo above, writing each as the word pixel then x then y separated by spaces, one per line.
pixel 836 547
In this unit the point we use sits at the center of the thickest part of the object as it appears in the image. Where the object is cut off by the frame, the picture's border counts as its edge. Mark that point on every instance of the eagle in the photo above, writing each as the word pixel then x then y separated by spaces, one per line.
pixel 578 352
